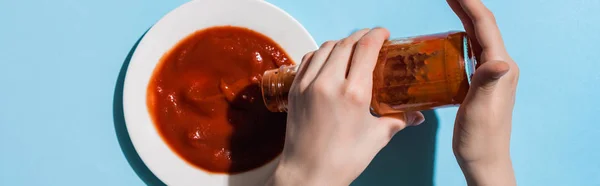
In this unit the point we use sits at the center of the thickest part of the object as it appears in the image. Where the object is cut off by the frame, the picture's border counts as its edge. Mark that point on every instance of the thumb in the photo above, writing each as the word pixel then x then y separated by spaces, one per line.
pixel 487 75
pixel 392 124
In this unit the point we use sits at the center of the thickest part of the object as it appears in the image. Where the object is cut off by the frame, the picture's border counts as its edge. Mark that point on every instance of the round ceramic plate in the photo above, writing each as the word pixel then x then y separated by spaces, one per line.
pixel 257 15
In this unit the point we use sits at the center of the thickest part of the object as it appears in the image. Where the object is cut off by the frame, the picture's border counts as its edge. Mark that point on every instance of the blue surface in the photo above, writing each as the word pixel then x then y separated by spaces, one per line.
pixel 60 61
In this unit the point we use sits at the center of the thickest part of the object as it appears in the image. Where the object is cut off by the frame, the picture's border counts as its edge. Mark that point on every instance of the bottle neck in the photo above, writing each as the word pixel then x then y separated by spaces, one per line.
pixel 275 87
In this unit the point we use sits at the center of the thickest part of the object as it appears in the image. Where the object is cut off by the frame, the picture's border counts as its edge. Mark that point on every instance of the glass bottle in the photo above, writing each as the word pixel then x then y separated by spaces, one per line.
pixel 411 74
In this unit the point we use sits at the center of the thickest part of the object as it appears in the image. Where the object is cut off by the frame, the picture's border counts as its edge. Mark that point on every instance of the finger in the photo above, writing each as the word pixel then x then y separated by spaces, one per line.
pixel 306 59
pixel 485 30
pixel 316 62
pixel 365 57
pixel 337 64
pixel 486 78
pixel 467 24
pixel 393 124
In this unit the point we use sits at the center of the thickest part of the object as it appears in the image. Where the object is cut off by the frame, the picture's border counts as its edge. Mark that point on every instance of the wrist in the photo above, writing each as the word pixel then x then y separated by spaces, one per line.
pixel 489 172
pixel 285 175
pixel 293 174
pixel 289 174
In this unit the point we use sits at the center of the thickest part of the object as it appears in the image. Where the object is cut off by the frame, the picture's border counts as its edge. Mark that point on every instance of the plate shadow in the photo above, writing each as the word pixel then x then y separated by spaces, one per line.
pixel 127 148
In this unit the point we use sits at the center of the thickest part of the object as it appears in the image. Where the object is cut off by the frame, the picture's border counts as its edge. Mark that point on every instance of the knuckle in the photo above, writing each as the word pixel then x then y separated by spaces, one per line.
pixel 366 42
pixel 303 84
pixel 322 87
pixel 486 90
pixel 328 44
pixel 294 87
pixel 515 67
pixel 345 43
pixel 484 16
pixel 489 16
pixel 357 94
pixel 515 73
pixel 307 56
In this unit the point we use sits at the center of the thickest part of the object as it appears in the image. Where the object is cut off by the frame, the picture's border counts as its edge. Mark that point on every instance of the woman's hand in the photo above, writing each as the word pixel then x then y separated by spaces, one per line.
pixel 483 125
pixel 331 134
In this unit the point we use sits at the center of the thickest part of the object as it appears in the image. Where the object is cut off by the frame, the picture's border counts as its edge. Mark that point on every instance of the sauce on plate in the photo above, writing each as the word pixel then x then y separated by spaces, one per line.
pixel 205 100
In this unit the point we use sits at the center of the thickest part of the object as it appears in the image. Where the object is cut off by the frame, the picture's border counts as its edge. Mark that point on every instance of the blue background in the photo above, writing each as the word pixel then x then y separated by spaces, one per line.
pixel 61 60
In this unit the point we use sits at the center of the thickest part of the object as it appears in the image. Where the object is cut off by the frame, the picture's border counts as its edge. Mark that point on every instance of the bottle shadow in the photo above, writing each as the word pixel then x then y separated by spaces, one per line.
pixel 127 148
pixel 408 159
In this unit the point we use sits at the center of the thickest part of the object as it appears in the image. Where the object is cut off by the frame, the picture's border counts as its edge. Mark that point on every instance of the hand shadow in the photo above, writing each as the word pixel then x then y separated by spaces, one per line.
pixel 407 159
pixel 257 138
pixel 122 135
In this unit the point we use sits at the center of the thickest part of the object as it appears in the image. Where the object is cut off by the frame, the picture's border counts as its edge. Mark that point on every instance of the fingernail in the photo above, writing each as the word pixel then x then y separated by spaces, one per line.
pixel 382 29
pixel 415 119
pixel 419 121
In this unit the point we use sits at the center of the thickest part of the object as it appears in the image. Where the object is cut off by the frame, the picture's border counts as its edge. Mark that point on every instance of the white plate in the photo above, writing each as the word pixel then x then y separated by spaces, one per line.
pixel 257 15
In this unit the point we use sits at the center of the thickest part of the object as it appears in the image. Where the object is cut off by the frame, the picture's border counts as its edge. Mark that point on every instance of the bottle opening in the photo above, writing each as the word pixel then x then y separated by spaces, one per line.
pixel 275 85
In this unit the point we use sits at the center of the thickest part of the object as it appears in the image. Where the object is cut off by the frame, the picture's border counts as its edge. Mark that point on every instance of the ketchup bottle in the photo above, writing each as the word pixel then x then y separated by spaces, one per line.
pixel 411 74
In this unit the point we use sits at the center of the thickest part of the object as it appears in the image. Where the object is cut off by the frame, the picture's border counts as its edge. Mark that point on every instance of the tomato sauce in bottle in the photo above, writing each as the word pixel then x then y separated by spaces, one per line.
pixel 411 74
